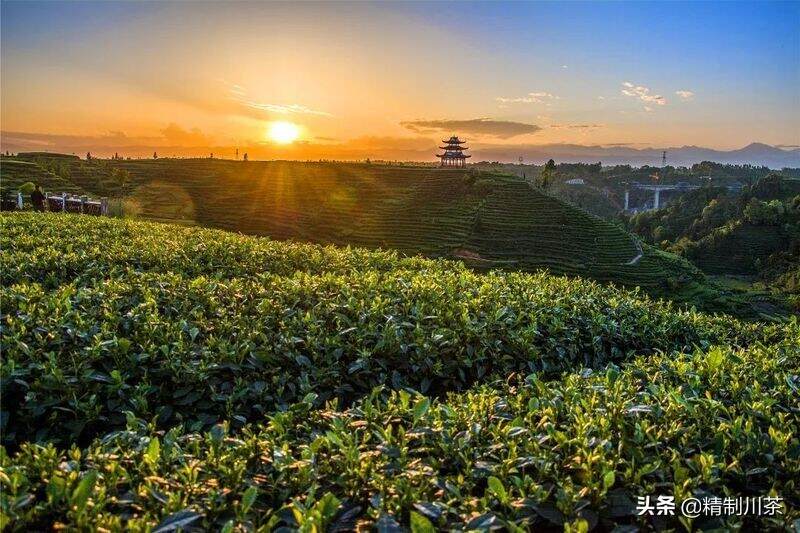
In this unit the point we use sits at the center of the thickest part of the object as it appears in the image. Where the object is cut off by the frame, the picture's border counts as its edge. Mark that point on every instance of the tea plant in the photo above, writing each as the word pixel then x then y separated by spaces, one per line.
pixel 520 454
pixel 157 378
pixel 181 326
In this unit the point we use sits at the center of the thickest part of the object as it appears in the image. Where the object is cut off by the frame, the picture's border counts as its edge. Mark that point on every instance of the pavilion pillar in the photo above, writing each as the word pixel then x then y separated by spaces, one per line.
pixel 627 199
pixel 656 198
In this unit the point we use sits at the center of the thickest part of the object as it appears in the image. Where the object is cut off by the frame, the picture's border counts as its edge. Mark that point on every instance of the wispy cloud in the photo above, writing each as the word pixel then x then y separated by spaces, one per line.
pixel 287 109
pixel 239 94
pixel 642 93
pixel 685 95
pixel 530 98
pixel 578 126
pixel 617 145
pixel 503 129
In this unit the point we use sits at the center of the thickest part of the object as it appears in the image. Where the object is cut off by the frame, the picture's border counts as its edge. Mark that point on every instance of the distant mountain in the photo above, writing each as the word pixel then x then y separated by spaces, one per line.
pixel 757 154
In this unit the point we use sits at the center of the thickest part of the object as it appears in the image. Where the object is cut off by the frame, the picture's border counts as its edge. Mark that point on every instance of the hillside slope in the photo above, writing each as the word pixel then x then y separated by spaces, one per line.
pixel 15 172
pixel 487 220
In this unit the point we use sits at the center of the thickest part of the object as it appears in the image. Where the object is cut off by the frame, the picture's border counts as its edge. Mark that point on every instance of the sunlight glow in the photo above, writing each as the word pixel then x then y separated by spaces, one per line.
pixel 283 132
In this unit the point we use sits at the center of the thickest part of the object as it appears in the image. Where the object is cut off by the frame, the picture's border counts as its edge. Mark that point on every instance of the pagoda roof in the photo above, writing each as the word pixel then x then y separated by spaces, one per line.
pixel 454 148
pixel 453 140
pixel 453 155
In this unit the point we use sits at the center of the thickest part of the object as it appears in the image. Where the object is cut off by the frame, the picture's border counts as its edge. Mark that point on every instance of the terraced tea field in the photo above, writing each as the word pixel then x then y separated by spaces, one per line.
pixel 486 220
pixel 14 173
pixel 157 377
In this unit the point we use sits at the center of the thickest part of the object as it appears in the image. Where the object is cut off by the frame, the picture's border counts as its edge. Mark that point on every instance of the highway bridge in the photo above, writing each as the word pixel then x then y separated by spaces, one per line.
pixel 658 189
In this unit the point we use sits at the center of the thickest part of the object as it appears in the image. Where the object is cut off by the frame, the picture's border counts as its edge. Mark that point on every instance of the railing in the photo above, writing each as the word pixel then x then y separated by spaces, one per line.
pixel 65 203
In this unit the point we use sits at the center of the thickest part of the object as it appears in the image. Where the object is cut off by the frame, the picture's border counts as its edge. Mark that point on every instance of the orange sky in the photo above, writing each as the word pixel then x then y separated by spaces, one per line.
pixel 361 80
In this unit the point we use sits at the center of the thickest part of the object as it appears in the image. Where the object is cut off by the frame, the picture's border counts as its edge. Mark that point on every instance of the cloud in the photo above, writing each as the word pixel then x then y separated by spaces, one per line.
pixel 503 129
pixel 177 136
pixel 564 66
pixel 578 126
pixel 286 109
pixel 643 94
pixel 173 136
pixel 238 94
pixel 685 95
pixel 601 97
pixel 530 98
pixel 787 146
pixel 623 144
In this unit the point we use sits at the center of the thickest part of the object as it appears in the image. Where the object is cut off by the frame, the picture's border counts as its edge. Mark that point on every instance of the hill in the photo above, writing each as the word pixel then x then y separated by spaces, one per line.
pixel 755 233
pixel 157 376
pixel 485 219
pixel 15 172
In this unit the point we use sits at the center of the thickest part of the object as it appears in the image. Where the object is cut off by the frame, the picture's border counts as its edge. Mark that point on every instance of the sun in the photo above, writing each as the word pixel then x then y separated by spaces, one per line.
pixel 283 132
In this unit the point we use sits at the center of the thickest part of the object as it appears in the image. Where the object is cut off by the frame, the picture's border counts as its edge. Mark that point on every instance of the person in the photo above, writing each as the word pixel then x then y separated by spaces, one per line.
pixel 37 198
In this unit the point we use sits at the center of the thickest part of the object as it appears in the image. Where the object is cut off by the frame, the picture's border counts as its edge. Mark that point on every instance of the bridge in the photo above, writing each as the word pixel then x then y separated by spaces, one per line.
pixel 658 189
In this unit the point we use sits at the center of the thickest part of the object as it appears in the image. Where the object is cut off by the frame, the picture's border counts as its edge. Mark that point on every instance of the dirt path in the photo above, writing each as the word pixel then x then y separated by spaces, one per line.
pixel 640 253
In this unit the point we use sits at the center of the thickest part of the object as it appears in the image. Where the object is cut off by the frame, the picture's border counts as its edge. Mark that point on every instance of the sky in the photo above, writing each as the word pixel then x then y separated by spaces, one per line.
pixel 388 80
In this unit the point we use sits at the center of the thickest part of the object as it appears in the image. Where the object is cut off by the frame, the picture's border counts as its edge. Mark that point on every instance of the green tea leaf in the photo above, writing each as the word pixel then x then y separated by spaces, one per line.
pixel 153 452
pixel 420 524
pixel 497 488
pixel 178 520
pixel 421 407
pixel 248 498
pixel 80 495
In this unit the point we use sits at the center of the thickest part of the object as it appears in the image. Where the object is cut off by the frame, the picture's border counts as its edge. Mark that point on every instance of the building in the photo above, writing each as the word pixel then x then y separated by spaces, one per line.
pixel 575 181
pixel 453 155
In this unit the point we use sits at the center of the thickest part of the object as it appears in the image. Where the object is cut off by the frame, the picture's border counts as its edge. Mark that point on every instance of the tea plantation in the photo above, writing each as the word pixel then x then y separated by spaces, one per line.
pixel 162 378
pixel 487 220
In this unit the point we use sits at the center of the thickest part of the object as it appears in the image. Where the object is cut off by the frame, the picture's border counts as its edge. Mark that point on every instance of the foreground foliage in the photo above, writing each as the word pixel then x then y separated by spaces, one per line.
pixel 195 326
pixel 574 452
pixel 157 378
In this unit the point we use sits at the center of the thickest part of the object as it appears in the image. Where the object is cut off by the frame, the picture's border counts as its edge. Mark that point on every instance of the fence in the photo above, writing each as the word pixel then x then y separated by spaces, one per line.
pixel 64 203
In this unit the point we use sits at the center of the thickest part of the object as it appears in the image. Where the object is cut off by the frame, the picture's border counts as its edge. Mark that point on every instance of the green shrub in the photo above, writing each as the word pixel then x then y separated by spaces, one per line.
pixel 521 454
pixel 193 326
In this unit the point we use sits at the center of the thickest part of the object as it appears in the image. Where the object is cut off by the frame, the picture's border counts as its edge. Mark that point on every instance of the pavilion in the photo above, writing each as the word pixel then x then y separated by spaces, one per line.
pixel 453 155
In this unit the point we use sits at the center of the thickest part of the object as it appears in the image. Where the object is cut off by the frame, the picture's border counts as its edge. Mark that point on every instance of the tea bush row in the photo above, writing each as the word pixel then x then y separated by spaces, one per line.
pixel 197 349
pixel 53 249
pixel 526 454
pixel 200 350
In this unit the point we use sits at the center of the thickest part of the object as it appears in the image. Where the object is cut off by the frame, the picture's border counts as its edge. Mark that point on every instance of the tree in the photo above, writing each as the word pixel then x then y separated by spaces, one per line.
pixel 88 156
pixel 547 175
pixel 155 155
pixel 245 156
pixel 122 178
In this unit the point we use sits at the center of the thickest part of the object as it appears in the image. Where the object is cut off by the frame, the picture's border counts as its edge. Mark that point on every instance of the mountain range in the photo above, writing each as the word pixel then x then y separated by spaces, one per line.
pixel 757 154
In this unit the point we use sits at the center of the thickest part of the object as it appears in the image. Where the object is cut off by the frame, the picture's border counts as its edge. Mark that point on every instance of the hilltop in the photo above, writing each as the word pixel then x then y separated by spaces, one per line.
pixel 485 219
